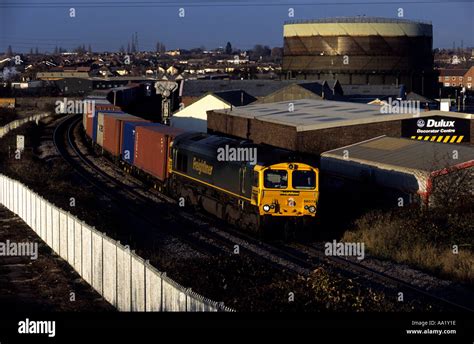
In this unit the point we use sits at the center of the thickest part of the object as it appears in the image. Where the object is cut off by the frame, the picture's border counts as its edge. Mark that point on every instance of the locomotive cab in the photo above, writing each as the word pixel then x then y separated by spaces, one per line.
pixel 286 189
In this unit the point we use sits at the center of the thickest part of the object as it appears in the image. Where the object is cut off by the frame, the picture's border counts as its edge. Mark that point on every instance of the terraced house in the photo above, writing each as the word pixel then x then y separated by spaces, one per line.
pixel 457 78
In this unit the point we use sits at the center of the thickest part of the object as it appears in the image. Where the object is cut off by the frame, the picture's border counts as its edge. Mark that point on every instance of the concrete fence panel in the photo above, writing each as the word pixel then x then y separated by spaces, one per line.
pixel 138 284
pixel 55 229
pixel 174 299
pixel 28 207
pixel 11 198
pixel 87 254
pixel 21 202
pixel 35 211
pixel 110 271
pixel 153 289
pixel 43 219
pixel 70 239
pixel 78 247
pixel 194 304
pixel 49 225
pixel 97 262
pixel 63 235
pixel 33 201
pixel 124 279
pixel 16 200
pixel 2 192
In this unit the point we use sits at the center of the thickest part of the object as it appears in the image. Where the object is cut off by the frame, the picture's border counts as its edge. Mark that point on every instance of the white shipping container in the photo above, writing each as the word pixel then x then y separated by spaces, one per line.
pixel 100 129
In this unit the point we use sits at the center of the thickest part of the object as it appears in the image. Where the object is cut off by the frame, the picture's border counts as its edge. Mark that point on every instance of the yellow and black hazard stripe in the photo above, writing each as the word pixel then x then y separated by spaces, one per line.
pixel 442 138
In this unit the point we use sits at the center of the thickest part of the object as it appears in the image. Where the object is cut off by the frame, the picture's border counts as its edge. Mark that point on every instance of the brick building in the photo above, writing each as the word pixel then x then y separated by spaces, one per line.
pixel 457 78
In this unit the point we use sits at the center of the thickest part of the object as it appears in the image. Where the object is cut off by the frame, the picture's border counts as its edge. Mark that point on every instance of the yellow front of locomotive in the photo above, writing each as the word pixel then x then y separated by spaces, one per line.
pixel 286 189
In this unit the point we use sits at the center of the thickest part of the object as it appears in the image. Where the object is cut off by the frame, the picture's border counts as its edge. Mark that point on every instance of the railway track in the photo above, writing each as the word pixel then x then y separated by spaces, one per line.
pixel 210 236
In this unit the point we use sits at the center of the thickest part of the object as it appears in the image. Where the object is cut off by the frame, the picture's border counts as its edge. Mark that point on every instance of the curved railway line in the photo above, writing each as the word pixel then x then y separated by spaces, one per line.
pixel 206 235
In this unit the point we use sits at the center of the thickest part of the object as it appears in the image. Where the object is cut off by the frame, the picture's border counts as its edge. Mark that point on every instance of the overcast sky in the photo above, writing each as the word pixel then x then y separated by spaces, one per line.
pixel 25 24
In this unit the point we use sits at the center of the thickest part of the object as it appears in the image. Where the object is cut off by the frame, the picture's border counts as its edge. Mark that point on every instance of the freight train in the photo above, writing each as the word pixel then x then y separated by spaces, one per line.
pixel 254 187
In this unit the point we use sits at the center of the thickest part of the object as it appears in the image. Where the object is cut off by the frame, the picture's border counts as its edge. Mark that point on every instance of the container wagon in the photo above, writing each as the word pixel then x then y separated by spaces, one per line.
pixel 110 127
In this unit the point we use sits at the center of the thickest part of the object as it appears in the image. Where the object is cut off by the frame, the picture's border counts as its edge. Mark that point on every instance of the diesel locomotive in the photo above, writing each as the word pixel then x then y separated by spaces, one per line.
pixel 254 187
pixel 244 193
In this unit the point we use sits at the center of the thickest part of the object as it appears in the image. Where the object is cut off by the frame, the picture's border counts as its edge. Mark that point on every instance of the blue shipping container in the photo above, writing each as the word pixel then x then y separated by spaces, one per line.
pixel 128 139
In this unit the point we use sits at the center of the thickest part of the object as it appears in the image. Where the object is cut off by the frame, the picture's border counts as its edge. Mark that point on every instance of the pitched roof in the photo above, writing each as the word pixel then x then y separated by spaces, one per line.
pixel 372 90
pixel 236 97
pixel 256 88
pixel 452 72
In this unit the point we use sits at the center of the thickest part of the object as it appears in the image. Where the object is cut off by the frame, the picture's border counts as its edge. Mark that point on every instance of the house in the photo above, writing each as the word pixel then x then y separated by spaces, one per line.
pixel 194 116
pixel 457 77
pixel 172 70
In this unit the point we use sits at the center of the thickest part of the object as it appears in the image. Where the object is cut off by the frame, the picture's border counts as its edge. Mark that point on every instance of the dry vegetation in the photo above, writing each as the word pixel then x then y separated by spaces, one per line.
pixel 427 238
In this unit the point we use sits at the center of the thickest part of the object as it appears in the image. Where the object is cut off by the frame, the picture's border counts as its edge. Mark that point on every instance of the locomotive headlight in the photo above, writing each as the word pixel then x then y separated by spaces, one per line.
pixel 266 208
pixel 312 209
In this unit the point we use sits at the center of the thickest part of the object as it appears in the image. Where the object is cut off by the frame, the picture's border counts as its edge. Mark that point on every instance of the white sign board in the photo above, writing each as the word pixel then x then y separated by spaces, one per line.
pixel 20 143
pixel 444 105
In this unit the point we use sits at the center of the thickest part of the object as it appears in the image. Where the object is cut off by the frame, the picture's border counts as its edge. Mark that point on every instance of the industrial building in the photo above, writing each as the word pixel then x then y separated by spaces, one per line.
pixel 303 90
pixel 361 50
pixel 314 126
pixel 193 90
pixel 194 116
pixel 405 166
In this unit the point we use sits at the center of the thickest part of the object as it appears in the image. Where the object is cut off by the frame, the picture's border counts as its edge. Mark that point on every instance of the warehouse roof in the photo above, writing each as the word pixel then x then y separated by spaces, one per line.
pixel 373 90
pixel 393 153
pixel 311 114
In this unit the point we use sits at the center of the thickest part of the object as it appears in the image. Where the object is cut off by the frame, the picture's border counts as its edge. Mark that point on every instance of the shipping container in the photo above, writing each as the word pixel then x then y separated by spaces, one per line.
pixel 95 119
pixel 100 128
pixel 125 95
pixel 112 130
pixel 7 103
pixel 152 149
pixel 128 139
pixel 92 118
pixel 87 117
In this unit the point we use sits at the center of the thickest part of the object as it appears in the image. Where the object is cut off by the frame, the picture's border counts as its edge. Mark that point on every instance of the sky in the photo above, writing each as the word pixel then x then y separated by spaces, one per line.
pixel 107 25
